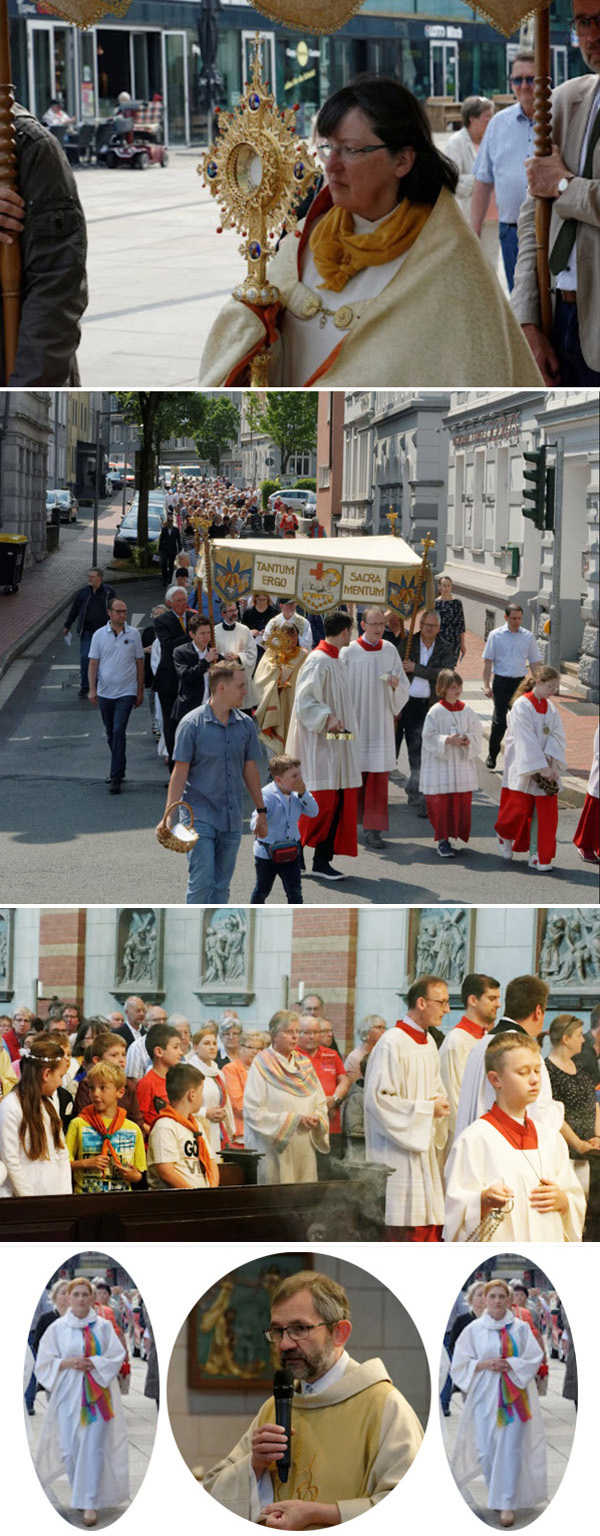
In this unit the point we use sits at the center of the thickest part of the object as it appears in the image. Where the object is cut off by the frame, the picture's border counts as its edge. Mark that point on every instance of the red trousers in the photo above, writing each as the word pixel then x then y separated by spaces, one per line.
pixel 587 836
pixel 450 815
pixel 314 829
pixel 373 802
pixel 516 815
pixel 429 1234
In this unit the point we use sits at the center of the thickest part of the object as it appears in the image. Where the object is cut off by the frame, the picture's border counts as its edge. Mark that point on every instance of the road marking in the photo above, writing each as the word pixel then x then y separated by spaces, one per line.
pixel 65 666
pixel 81 736
pixel 19 738
pixel 50 685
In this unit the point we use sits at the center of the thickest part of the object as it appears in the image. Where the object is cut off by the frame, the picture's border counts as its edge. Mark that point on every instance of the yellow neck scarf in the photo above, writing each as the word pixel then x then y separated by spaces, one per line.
pixel 339 253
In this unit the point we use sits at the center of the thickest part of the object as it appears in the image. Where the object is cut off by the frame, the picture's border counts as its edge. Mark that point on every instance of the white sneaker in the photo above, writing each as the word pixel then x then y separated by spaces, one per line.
pixel 505 847
pixel 534 863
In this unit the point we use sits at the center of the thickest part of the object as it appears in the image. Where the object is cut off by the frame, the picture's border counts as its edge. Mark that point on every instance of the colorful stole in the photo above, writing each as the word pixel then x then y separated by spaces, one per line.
pixel 339 252
pixel 301 1083
pixel 205 1160
pixel 522 1136
pixel 94 1398
pixel 91 1117
pixel 414 1034
pixel 511 1399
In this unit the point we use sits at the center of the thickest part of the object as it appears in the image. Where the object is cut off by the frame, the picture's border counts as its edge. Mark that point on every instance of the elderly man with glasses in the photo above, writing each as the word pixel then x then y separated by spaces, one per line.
pixel 570 176
pixel 353 1434
pixel 500 167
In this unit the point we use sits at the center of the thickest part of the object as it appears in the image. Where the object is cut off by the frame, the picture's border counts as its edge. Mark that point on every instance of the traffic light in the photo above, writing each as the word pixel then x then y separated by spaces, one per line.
pixel 534 490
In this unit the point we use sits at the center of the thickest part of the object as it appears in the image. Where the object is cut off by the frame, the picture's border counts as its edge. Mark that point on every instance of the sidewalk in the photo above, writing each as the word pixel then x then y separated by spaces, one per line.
pixel 48 588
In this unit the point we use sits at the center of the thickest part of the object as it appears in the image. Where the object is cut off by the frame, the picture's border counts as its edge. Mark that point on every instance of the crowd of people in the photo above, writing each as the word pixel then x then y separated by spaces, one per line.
pixel 482 1132
pixel 329 700
pixel 499 1338
pixel 83 1335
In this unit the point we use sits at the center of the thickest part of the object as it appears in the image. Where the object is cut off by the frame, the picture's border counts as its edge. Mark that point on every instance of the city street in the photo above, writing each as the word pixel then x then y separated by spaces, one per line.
pixel 63 837
pixel 158 273
pixel 558 1419
pixel 140 1423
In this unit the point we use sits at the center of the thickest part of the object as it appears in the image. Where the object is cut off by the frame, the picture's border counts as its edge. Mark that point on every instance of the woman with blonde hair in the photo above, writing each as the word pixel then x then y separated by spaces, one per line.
pixel 84 1432
pixel 216 1107
pixel 535 750
pixel 285 1109
pixel 500 1435
pixel 33 1150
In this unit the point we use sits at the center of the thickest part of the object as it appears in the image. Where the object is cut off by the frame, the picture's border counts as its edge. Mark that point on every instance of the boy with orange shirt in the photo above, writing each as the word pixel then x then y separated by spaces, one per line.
pixel 164 1047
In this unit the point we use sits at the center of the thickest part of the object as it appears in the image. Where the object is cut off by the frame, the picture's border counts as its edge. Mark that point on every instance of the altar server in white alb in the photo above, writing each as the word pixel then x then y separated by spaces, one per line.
pixel 504 1161
pixel 587 836
pixel 406 1115
pixel 450 747
pixel 323 734
pixel 379 688
pixel 500 1433
pixel 525 1003
pixel 481 1000
pixel 84 1433
pixel 534 752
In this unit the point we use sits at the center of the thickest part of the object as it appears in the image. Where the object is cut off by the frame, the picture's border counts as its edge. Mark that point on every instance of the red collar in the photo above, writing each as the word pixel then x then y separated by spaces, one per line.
pixel 366 644
pixel 419 1037
pixel 540 705
pixel 454 708
pixel 329 650
pixel 523 1137
pixel 471 1029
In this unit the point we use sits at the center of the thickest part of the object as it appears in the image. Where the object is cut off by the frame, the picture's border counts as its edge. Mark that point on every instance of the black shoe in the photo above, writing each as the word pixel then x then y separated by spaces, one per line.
pixel 374 840
pixel 114 787
pixel 445 850
pixel 490 761
pixel 110 781
pixel 83 693
pixel 422 810
pixel 327 872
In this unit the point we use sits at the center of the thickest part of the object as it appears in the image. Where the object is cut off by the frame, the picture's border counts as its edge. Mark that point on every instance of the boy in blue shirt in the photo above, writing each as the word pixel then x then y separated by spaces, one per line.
pixel 286 799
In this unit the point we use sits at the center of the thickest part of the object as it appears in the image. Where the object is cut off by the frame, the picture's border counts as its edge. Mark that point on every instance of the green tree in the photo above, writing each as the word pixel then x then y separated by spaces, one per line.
pixel 219 428
pixel 159 415
pixel 289 418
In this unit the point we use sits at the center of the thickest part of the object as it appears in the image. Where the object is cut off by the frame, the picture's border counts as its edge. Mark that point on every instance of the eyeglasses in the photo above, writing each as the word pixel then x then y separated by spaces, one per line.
pixel 519 80
pixel 295 1332
pixel 345 153
pixel 583 23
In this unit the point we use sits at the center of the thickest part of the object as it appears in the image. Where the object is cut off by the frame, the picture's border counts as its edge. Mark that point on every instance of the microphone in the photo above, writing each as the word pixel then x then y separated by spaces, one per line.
pixel 283 1392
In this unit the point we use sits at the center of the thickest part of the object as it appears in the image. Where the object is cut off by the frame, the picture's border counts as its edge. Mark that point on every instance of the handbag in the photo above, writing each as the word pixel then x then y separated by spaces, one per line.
pixel 283 853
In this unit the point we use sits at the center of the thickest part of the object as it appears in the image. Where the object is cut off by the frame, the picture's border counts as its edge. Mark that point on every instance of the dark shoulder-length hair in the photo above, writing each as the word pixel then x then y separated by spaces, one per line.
pixel 400 121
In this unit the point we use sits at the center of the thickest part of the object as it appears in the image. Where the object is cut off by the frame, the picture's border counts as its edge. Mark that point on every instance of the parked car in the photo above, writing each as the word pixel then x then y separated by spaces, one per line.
pixel 114 481
pixel 126 534
pixel 66 501
pixel 301 501
pixel 156 503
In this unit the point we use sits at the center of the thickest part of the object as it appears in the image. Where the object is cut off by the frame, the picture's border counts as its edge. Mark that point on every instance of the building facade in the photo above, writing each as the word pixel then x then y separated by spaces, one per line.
pixel 494 554
pixel 395 460
pixel 330 458
pixel 435 49
pixel 24 439
pixel 261 458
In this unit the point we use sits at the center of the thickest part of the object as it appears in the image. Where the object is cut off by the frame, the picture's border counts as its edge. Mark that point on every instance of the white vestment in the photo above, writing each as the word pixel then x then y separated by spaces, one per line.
pixel 362 1397
pixel 594 778
pixel 477 1095
pixel 212 1099
pixel 400 1127
pixel 45 1176
pixel 511 1456
pixel 94 1456
pixel 454 1053
pixel 531 739
pixel 240 639
pixel 272 1113
pixel 375 703
pixel 322 690
pixel 449 770
pixel 482 1156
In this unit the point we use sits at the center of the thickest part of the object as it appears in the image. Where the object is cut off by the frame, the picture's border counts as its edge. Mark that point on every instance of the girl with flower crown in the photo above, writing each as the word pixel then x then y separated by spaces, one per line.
pixel 33 1152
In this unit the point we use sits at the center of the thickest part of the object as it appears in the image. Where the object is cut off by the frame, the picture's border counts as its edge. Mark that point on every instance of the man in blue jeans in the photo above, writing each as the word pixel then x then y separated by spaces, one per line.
pixel 500 163
pixel 89 610
pixel 216 752
pixel 116 682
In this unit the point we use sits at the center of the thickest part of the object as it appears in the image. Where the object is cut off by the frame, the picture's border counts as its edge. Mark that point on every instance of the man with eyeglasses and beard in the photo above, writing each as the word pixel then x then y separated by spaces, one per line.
pixel 353 1434
pixel 570 176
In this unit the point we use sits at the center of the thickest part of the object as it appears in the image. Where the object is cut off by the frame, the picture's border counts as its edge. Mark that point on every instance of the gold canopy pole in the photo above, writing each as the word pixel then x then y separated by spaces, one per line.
pixel 202 525
pixel 542 119
pixel 428 543
pixel 10 255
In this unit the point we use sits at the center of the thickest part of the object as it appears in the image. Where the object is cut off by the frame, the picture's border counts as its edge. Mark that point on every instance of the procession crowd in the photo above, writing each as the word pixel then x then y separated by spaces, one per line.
pixel 331 698
pixel 480 1131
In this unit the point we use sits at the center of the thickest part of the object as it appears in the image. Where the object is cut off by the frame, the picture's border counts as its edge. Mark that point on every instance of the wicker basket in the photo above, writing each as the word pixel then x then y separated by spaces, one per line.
pixel 168 839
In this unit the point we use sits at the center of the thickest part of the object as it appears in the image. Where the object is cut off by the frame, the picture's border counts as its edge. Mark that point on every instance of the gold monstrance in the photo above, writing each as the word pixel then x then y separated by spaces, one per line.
pixel 201 523
pixel 258 170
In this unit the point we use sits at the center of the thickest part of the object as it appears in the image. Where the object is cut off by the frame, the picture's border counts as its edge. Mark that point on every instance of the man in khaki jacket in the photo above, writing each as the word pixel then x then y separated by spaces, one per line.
pixel 571 177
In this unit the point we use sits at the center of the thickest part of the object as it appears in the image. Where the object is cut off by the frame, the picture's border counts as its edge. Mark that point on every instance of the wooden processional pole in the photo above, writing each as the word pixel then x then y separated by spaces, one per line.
pixel 10 255
pixel 543 146
pixel 428 544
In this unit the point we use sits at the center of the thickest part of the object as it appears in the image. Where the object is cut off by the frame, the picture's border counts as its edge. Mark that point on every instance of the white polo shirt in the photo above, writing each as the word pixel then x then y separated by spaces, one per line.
pixel 116 655
pixel 511 651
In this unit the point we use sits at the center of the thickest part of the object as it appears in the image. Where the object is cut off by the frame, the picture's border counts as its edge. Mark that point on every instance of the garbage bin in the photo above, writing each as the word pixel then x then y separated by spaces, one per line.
pixel 12 560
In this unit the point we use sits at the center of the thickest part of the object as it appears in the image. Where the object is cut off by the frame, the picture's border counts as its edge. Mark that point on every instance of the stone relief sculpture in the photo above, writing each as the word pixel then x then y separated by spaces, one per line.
pixel 6 921
pixel 227 957
pixel 570 947
pixel 442 940
pixel 138 958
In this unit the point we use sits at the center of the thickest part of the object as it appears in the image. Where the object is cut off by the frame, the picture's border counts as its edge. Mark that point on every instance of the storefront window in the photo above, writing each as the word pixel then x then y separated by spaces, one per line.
pixel 229 65
pixel 114 69
pixel 298 72
pixel 88 90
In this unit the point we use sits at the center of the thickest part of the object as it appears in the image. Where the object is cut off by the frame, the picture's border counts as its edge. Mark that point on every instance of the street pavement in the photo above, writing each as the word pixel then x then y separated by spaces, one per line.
pixel 158 273
pixel 558 1419
pixel 140 1423
pixel 63 837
